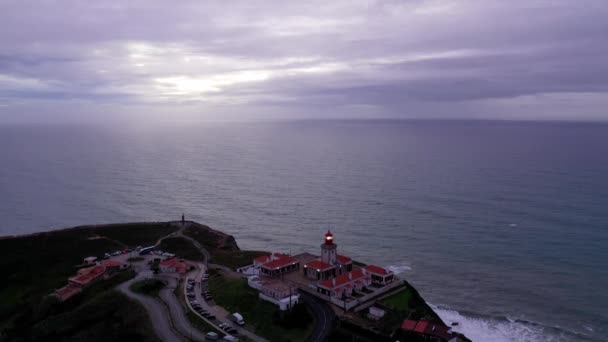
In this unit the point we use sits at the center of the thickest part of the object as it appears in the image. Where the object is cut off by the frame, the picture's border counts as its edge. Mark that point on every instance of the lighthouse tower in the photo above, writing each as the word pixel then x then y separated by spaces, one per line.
pixel 329 249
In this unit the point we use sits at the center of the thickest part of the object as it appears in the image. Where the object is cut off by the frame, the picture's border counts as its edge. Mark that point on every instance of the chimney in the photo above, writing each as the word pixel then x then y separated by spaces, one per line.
pixel 333 281
pixel 350 275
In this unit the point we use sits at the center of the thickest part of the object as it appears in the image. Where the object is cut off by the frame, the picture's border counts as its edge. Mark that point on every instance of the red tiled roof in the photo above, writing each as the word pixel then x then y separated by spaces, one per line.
pixel 408 324
pixel 343 259
pixel 180 267
pixel 171 262
pixel 111 263
pixel 318 264
pixel 85 275
pixel 376 270
pixel 421 326
pixel 281 262
pixel 67 291
pixel 262 259
pixel 427 328
pixel 342 279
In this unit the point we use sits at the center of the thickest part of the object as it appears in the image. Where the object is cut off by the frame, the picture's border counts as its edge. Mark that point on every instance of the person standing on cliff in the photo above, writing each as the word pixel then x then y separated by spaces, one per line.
pixel 183 219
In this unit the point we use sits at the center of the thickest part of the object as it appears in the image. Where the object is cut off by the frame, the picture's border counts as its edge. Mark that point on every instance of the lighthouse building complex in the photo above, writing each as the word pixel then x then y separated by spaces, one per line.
pixel 330 276
pixel 331 264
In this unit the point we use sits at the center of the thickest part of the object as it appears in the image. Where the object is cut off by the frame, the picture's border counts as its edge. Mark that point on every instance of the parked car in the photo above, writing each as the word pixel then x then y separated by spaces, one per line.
pixel 212 336
pixel 237 318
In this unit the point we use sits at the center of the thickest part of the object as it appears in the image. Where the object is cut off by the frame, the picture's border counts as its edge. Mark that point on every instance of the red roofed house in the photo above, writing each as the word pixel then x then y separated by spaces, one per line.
pixel 86 276
pixel 113 266
pixel 261 260
pixel 331 263
pixel 380 276
pixel 279 264
pixel 430 330
pixel 173 265
pixel 344 284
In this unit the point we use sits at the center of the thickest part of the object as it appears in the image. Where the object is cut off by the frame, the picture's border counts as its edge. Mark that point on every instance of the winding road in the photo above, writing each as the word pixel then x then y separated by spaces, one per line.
pixel 324 317
pixel 168 315
pixel 159 316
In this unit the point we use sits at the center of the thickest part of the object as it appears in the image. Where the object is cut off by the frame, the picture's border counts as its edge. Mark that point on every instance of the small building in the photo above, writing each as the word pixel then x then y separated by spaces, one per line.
pixel 282 265
pixel 344 285
pixel 86 276
pixel 113 266
pixel 380 276
pixel 90 260
pixel 432 331
pixel 263 259
pixel 375 313
pixel 173 265
pixel 275 291
pixel 68 291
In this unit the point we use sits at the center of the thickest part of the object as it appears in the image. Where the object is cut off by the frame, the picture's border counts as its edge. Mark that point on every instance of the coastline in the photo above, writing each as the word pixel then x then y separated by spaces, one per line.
pixel 146 233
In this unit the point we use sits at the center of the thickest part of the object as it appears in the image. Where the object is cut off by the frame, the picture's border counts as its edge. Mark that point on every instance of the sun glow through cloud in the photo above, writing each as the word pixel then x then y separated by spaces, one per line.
pixel 405 58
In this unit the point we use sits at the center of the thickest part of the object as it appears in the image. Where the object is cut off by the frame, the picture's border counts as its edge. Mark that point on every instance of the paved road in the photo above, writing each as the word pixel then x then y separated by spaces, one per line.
pixel 159 316
pixel 324 317
pixel 178 313
pixel 173 325
pixel 219 312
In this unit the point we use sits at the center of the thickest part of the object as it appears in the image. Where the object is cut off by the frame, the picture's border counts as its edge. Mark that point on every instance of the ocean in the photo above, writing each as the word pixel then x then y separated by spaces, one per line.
pixel 502 226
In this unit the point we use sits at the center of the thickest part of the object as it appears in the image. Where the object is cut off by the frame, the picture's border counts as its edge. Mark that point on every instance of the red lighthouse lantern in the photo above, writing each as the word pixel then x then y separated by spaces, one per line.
pixel 329 238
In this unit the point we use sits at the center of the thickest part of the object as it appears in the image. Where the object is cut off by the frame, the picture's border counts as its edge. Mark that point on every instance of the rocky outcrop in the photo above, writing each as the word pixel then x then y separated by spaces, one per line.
pixel 210 238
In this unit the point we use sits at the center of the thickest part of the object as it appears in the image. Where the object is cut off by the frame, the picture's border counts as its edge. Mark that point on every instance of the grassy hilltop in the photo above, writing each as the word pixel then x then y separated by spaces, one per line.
pixel 34 265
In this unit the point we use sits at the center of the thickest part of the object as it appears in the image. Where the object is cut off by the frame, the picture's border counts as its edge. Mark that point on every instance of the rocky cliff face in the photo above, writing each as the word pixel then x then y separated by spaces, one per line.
pixel 210 238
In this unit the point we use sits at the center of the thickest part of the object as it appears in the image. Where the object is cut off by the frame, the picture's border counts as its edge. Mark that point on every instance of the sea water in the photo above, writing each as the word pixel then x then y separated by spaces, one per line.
pixel 502 226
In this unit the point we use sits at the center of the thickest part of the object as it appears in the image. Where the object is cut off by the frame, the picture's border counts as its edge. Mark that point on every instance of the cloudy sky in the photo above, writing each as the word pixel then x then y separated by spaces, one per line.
pixel 183 60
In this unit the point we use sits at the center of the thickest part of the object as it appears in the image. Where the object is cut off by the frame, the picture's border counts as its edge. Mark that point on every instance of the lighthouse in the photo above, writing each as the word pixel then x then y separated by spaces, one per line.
pixel 329 249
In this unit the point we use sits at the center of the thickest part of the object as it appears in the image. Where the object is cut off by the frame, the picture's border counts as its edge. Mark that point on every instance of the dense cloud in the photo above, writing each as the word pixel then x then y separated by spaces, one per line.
pixel 193 59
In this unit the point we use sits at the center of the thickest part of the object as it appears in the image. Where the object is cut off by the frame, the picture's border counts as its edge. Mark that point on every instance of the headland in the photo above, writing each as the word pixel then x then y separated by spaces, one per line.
pixel 136 280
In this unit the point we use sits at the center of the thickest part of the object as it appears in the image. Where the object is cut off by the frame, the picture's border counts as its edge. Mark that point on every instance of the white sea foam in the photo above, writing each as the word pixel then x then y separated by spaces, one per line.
pixel 399 269
pixel 496 330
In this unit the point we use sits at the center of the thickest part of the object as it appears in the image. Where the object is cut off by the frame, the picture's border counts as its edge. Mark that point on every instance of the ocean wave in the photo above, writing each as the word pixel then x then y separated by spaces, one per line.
pixel 484 328
pixel 399 269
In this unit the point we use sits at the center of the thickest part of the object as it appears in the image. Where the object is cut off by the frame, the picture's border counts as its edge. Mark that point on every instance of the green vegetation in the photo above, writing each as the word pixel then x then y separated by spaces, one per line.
pixel 200 324
pixel 405 304
pixel 110 316
pixel 135 234
pixel 236 259
pixel 208 238
pixel 266 318
pixel 399 301
pixel 149 287
pixel 182 248
pixel 34 266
